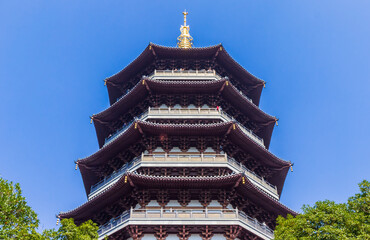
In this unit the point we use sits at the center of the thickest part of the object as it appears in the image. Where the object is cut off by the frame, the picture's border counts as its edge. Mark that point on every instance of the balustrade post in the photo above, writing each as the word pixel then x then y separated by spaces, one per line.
pixel 206 212
pixel 237 212
pixel 201 157
pixel 161 212
pixel 131 210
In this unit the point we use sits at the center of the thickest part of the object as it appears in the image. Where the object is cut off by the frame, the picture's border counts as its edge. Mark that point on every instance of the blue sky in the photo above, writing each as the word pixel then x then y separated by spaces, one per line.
pixel 54 56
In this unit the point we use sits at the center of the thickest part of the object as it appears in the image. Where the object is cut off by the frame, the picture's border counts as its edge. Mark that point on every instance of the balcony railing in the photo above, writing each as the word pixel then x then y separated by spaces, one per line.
pixel 187 216
pixel 185 74
pixel 184 159
pixel 201 113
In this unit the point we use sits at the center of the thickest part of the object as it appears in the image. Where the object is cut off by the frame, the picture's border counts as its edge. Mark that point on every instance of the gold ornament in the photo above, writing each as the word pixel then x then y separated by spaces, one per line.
pixel 185 40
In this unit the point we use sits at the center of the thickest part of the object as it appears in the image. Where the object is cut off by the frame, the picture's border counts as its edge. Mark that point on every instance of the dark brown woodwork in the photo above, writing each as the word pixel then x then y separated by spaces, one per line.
pixel 225 197
pixel 206 233
pixel 232 232
pixel 160 233
pixel 184 233
pixel 162 197
pixel 205 197
pixel 184 197
pixel 135 232
pixel 141 196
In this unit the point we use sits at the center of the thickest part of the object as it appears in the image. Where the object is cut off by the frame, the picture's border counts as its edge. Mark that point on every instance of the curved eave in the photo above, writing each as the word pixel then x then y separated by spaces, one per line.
pixel 140 91
pixel 113 83
pixel 230 65
pixel 281 166
pixel 153 51
pixel 203 52
pixel 120 188
pixel 135 131
pixel 266 201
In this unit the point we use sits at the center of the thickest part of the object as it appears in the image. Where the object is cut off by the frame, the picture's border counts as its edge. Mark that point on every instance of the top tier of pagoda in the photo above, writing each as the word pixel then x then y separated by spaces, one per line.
pixel 156 57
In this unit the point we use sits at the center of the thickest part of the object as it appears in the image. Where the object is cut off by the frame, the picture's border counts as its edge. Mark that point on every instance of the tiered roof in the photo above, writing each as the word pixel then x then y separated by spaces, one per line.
pixel 236 88
pixel 153 54
pixel 147 86
pixel 130 180
pixel 140 128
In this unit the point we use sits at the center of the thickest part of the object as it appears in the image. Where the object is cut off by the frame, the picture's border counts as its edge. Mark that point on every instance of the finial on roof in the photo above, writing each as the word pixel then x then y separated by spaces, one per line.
pixel 185 40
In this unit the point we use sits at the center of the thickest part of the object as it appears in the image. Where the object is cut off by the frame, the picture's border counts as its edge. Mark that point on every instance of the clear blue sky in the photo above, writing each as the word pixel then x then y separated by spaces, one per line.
pixel 54 56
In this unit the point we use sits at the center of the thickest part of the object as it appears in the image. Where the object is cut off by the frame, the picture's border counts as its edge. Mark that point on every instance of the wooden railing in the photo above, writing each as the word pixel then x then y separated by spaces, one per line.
pixel 217 216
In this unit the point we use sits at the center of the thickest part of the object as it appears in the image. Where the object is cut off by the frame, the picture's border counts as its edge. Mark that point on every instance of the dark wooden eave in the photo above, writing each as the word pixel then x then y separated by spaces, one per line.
pixel 153 53
pixel 135 132
pixel 222 87
pixel 122 188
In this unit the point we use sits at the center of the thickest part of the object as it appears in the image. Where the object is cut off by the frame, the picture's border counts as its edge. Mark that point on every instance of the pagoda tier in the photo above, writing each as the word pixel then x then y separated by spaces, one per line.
pixel 150 92
pixel 162 58
pixel 231 192
pixel 143 136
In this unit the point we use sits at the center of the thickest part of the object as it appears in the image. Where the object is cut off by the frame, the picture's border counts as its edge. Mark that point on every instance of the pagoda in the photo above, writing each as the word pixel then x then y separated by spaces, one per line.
pixel 183 151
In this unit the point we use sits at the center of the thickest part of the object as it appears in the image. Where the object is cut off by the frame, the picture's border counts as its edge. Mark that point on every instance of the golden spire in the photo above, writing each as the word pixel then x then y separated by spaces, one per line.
pixel 185 40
